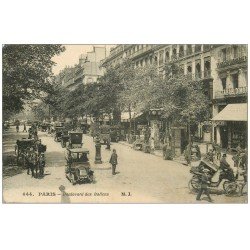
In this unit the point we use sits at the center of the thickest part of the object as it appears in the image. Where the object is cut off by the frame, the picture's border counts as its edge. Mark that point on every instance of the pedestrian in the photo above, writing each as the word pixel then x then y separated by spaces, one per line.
pixel 64 197
pixel 108 144
pixel 152 144
pixel 198 152
pixel 187 154
pixel 224 164
pixel 24 128
pixel 17 128
pixel 204 185
pixel 113 161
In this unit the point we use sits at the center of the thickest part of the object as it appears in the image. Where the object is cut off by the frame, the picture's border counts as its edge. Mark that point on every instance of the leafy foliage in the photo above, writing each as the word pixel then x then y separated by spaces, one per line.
pixel 27 73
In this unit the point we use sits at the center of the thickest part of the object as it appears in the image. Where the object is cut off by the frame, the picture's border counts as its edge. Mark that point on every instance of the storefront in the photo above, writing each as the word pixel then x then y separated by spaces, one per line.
pixel 231 126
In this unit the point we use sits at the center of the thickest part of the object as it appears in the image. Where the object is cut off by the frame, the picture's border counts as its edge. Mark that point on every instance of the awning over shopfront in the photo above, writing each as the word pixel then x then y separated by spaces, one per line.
pixel 232 112
pixel 125 116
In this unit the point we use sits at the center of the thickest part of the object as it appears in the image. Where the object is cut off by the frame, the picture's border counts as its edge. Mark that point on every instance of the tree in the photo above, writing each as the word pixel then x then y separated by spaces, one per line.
pixel 27 74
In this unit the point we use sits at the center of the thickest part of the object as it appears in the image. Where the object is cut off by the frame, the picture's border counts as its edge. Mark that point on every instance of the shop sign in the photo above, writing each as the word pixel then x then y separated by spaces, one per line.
pixel 220 123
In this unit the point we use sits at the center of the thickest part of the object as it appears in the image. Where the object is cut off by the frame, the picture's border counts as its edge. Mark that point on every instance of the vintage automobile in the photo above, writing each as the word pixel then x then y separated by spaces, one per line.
pixel 64 138
pixel 75 140
pixel 78 166
pixel 58 133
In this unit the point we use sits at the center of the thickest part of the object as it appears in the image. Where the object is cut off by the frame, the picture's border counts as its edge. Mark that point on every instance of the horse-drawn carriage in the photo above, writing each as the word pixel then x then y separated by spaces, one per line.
pixel 30 155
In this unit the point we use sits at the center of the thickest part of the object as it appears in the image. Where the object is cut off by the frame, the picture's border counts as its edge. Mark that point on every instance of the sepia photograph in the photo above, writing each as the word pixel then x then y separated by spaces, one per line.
pixel 124 123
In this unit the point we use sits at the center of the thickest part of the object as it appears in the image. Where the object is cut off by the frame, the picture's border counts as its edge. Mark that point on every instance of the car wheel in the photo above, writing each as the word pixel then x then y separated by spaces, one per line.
pixel 244 189
pixel 194 184
pixel 232 189
pixel 225 185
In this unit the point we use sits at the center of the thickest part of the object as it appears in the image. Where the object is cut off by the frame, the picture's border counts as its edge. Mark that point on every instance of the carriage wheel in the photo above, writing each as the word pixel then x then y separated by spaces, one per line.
pixel 91 178
pixel 194 184
pixel 232 189
pixel 244 189
pixel 225 185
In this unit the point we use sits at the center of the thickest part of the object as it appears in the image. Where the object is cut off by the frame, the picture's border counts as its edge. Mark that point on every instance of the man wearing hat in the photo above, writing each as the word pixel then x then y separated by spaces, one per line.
pixel 223 163
pixel 204 185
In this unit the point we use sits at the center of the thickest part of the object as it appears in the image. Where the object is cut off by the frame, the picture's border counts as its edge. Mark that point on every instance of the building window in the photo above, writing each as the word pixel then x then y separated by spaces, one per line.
pixel 161 57
pixel 224 54
pixel 198 71
pixel 189 69
pixel 235 51
pixel 235 79
pixel 189 49
pixel 167 56
pixel 197 48
pixel 151 60
pixel 207 68
pixel 224 83
pixel 181 51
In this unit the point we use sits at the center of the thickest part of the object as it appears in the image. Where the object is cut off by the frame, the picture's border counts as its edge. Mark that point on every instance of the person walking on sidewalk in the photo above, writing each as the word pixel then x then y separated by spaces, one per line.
pixel 204 185
pixel 113 161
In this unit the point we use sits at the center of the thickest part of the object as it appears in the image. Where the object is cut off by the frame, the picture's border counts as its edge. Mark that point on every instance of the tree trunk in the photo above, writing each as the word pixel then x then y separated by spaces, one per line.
pixel 130 121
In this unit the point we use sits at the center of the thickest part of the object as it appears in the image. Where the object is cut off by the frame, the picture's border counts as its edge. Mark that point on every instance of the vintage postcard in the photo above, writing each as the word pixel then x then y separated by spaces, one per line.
pixel 126 123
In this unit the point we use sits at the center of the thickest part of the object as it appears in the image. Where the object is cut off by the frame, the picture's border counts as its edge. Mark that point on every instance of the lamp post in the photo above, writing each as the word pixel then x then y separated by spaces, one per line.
pixel 98 157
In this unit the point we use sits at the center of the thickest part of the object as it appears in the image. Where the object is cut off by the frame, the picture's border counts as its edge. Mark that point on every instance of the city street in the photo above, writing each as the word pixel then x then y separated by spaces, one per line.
pixel 141 178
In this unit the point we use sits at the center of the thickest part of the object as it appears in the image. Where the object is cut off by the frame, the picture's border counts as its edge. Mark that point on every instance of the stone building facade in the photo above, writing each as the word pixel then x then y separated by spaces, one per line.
pixel 222 69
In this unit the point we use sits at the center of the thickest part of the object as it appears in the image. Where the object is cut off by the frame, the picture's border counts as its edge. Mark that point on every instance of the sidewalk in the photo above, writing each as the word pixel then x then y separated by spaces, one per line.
pixel 181 158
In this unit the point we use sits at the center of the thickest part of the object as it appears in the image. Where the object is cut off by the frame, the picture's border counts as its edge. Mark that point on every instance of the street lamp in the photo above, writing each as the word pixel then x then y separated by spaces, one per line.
pixel 98 157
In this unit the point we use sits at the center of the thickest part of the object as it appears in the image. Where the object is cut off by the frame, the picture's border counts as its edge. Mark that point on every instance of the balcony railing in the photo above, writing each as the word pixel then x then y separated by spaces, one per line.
pixel 141 51
pixel 231 92
pixel 199 75
pixel 232 62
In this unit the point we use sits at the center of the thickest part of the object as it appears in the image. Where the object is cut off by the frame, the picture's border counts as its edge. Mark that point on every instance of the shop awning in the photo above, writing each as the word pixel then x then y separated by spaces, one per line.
pixel 125 116
pixel 232 112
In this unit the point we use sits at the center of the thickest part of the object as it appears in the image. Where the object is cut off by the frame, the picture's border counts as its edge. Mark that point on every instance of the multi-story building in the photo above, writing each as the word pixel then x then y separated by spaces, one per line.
pixel 87 71
pixel 230 96
pixel 222 69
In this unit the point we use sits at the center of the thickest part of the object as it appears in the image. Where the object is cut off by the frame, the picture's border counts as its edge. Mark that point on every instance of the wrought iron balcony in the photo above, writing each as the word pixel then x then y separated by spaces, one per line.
pixel 142 51
pixel 230 62
pixel 231 92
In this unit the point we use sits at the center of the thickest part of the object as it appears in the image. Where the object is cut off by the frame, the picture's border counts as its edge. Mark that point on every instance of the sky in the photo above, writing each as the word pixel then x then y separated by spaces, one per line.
pixel 71 55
